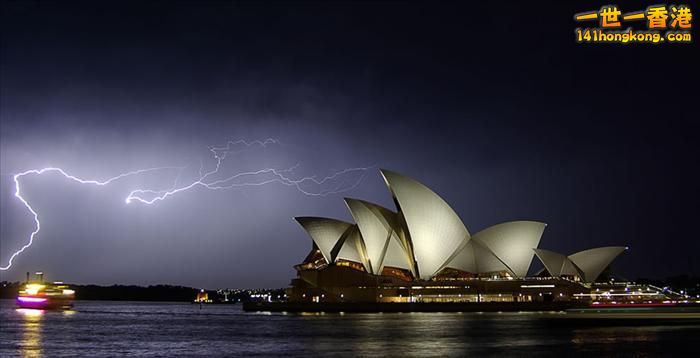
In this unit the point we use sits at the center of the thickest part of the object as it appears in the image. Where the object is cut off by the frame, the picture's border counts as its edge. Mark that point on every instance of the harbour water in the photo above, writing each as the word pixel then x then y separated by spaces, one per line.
pixel 108 329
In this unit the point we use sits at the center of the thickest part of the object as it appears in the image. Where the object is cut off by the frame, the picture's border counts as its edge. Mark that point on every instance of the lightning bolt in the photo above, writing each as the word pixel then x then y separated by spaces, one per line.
pixel 206 179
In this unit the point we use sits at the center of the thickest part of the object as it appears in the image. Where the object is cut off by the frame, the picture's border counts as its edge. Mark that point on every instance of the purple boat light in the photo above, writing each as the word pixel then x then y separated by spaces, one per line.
pixel 31 299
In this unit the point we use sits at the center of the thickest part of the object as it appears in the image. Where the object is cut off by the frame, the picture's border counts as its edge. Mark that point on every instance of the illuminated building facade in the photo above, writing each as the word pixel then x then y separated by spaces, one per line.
pixel 422 252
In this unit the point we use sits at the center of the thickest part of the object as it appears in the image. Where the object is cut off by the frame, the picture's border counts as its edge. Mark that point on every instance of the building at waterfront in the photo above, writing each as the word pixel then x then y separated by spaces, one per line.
pixel 423 252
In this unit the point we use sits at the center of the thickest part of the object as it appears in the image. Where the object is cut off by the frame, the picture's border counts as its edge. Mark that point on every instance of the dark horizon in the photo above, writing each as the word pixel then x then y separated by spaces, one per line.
pixel 493 106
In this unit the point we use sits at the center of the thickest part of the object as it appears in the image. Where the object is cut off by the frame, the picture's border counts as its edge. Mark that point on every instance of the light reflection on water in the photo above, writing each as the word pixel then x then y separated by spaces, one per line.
pixel 30 345
pixel 614 335
pixel 166 329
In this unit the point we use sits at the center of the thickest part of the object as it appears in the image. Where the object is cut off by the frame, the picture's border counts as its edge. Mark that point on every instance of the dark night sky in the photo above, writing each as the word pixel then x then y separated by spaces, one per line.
pixel 494 106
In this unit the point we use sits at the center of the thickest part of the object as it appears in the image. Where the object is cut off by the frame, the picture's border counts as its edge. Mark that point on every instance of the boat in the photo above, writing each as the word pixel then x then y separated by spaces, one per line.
pixel 37 294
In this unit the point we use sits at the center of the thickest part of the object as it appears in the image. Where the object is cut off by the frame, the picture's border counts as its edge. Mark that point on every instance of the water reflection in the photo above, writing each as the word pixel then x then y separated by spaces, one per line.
pixel 610 335
pixel 146 329
pixel 30 344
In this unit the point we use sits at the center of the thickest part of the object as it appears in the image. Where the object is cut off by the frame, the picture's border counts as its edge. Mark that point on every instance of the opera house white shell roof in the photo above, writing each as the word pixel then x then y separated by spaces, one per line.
pixel 502 247
pixel 425 236
pixel 325 233
pixel 587 264
pixel 384 246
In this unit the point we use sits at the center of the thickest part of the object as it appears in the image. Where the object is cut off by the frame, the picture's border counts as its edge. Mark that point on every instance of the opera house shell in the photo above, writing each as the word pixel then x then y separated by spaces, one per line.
pixel 424 242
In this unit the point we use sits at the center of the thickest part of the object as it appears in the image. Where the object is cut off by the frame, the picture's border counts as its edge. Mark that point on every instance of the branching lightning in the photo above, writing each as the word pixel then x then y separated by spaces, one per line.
pixel 206 179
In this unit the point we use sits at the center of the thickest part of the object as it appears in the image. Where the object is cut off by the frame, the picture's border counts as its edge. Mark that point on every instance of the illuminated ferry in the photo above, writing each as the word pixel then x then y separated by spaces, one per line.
pixel 38 294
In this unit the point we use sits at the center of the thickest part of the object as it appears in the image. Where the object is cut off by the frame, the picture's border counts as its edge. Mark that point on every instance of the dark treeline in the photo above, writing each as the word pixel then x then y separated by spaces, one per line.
pixel 172 293
pixel 135 293
pixel 117 292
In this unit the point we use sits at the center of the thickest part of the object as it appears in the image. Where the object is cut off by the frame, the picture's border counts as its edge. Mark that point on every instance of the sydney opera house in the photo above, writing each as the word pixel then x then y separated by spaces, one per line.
pixel 422 252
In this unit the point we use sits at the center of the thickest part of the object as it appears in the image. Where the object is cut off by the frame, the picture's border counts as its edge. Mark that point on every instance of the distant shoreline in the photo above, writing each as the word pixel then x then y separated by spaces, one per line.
pixel 153 293
pixel 125 301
